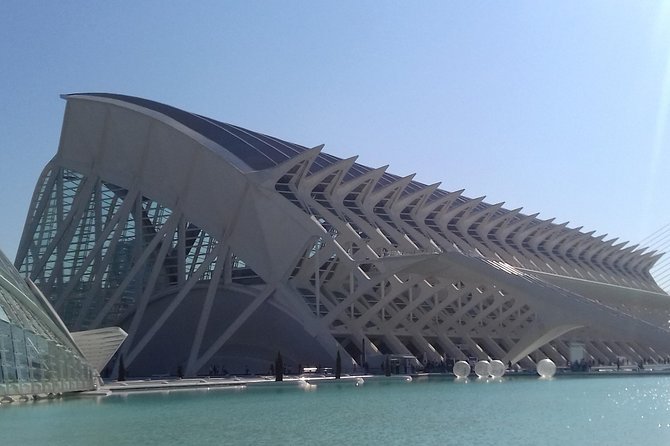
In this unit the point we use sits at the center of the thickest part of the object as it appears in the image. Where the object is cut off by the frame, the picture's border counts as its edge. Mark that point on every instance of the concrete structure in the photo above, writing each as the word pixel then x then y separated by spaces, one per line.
pixel 99 345
pixel 216 246
pixel 37 354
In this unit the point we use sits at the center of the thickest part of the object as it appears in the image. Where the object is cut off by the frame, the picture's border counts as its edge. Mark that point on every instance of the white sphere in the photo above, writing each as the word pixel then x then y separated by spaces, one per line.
pixel 497 368
pixel 483 369
pixel 461 369
pixel 546 368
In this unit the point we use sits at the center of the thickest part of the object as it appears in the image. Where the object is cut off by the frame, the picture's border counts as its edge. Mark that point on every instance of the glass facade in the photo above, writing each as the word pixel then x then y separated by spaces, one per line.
pixel 97 249
pixel 37 355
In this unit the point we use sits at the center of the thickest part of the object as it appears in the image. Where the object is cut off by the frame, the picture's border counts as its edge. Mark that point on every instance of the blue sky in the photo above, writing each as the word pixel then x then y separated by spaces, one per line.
pixel 560 108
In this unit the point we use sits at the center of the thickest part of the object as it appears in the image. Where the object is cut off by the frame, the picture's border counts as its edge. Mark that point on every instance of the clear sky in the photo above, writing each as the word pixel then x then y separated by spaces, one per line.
pixel 560 108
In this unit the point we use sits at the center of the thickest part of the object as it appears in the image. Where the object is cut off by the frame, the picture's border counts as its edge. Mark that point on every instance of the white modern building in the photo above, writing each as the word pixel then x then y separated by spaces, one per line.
pixel 37 354
pixel 216 246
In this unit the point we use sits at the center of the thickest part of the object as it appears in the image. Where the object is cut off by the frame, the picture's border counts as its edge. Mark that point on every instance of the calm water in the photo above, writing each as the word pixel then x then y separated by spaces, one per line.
pixel 517 411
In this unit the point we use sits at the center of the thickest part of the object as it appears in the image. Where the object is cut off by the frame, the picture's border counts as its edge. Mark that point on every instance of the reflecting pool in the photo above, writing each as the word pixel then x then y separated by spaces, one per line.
pixel 511 411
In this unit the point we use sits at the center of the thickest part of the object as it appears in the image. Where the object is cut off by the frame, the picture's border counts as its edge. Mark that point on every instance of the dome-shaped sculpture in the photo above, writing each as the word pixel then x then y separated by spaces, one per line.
pixel 461 369
pixel 483 369
pixel 546 368
pixel 497 368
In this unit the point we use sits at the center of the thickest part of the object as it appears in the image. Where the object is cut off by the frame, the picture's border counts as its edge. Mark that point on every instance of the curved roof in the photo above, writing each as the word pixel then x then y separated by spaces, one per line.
pixel 258 151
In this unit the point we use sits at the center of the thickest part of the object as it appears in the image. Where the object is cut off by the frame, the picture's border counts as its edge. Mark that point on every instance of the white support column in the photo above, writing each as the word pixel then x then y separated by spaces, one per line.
pixel 233 327
pixel 596 352
pixel 101 267
pixel 222 258
pixel 351 293
pixel 317 280
pixel 38 206
pixel 492 348
pixel 67 228
pixel 181 252
pixel 192 280
pixel 428 349
pixel 228 269
pixel 122 212
pixel 411 302
pixel 168 227
pixel 383 298
pixel 447 344
pixel 141 305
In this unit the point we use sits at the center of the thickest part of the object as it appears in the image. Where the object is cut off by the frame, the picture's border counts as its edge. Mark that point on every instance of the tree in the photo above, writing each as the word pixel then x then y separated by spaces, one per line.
pixel 279 368
pixel 338 365
pixel 122 370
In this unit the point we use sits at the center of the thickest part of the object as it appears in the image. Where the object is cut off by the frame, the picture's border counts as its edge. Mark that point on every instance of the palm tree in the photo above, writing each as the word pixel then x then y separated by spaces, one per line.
pixel 122 369
pixel 338 365
pixel 279 368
